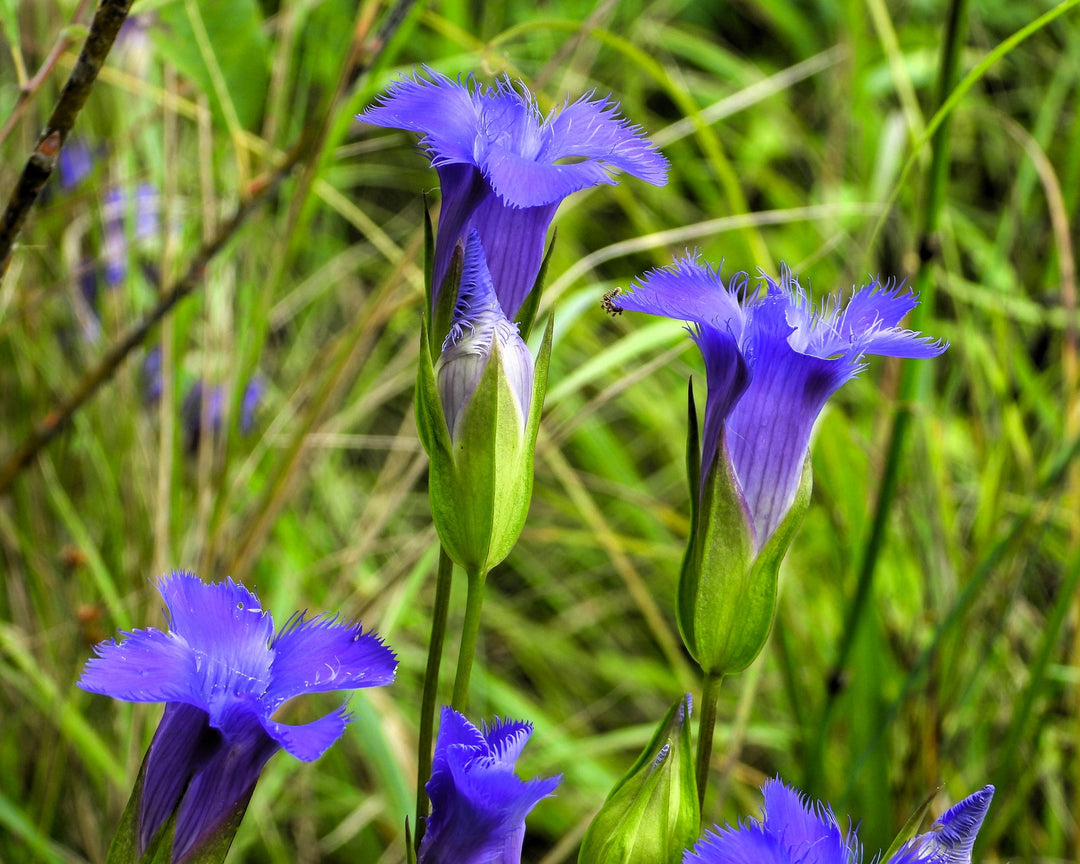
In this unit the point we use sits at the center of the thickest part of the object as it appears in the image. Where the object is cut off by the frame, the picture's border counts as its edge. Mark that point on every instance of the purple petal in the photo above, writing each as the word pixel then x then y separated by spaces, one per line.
pixel 688 290
pixel 520 181
pixel 728 376
pixel 182 740
pixel 478 803
pixel 223 782
pixel 595 130
pixel 807 831
pixel 952 837
pixel 513 240
pixel 147 666
pixel 506 739
pixel 320 655
pixel 227 628
pixel 463 188
pixel 747 844
pixel 445 112
pixel 309 741
pixel 768 430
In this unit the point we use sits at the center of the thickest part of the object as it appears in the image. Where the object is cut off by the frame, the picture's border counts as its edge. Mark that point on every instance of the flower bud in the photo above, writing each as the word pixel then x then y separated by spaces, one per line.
pixel 478 410
pixel 652 814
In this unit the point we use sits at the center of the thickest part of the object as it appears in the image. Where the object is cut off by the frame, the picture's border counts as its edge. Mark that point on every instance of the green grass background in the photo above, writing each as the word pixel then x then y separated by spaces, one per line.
pixel 788 124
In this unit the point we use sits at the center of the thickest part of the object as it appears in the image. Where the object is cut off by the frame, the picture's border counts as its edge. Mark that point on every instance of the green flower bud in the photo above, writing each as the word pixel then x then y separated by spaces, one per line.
pixel 652 814
pixel 478 411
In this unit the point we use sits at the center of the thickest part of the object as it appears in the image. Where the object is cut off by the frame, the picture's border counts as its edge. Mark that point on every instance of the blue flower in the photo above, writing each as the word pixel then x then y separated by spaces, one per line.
pixel 223 674
pixel 478 803
pixel 146 225
pixel 192 414
pixel 952 837
pixel 250 402
pixel 76 163
pixel 504 167
pixel 772 361
pixel 794 830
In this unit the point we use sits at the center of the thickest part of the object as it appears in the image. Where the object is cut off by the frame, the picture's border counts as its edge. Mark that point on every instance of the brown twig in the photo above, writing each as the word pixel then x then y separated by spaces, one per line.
pixel 108 19
pixel 59 418
pixel 31 87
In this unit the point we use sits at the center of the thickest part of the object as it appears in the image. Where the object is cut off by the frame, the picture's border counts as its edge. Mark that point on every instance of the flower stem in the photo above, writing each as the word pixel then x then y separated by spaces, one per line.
pixel 431 688
pixel 710 694
pixel 469 634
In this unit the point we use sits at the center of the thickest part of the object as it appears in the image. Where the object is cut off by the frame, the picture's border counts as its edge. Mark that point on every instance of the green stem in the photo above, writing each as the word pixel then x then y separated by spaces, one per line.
pixel 710 695
pixel 911 383
pixel 431 688
pixel 469 634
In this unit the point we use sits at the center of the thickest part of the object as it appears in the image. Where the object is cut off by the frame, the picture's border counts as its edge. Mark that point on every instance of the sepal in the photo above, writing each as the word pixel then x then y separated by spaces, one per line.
pixel 727 593
pixel 911 826
pixel 652 813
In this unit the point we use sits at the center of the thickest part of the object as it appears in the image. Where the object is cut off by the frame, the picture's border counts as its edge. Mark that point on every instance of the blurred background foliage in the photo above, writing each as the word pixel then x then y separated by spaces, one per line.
pixel 787 123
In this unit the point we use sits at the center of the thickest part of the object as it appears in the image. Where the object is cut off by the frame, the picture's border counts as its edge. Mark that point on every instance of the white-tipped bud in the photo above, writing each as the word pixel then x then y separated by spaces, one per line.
pixel 477 327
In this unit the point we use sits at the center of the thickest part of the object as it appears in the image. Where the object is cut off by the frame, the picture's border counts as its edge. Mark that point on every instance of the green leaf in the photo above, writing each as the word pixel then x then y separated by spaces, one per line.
pixel 911 826
pixel 231 65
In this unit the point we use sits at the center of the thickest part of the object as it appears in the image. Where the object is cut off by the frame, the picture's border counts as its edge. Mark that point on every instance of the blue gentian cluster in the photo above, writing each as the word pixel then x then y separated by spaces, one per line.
pixel 772 357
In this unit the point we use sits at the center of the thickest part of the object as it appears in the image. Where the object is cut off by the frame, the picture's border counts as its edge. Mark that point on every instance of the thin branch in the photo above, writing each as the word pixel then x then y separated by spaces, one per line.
pixel 108 19
pixel 59 418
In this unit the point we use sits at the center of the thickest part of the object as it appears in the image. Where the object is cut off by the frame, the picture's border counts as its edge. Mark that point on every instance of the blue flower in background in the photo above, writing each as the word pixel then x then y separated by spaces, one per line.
pixel 76 163
pixel 772 361
pixel 250 402
pixel 151 376
pixel 794 830
pixel 223 674
pixel 504 167
pixel 192 413
pixel 478 803
pixel 146 223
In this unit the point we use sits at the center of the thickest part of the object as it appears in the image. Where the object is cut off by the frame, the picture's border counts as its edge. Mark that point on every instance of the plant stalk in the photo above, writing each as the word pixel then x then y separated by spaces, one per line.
pixel 469 635
pixel 710 695
pixel 431 688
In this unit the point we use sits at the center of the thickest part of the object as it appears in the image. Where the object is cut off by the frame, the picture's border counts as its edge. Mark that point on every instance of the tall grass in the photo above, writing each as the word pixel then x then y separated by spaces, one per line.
pixel 790 127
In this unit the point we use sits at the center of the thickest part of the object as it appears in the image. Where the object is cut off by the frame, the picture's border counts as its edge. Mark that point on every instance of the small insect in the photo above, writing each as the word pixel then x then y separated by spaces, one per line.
pixel 609 304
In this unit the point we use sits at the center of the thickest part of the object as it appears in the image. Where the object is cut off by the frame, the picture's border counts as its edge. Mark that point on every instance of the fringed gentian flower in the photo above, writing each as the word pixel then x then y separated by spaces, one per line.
pixel 223 674
pixel 772 360
pixel 793 830
pixel 504 167
pixel 478 803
